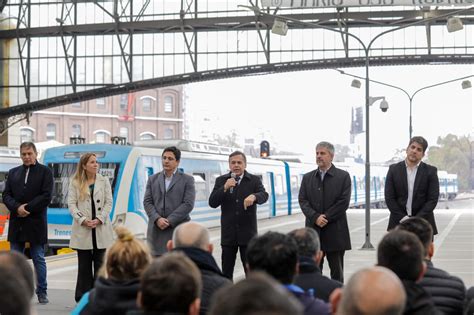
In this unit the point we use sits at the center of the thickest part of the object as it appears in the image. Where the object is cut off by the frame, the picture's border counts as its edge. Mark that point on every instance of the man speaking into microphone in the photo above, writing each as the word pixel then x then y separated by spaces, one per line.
pixel 237 193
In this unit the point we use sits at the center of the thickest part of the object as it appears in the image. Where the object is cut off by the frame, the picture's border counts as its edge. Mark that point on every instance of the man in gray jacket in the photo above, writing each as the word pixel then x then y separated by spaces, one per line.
pixel 169 198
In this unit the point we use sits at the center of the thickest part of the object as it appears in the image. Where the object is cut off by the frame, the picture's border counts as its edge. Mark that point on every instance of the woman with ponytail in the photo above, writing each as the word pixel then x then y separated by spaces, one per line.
pixel 115 291
pixel 90 202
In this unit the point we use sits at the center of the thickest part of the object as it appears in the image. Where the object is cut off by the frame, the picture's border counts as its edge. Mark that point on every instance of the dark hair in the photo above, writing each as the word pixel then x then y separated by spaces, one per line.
pixel 13 300
pixel 307 240
pixel 28 145
pixel 170 284
pixel 176 152
pixel 401 252
pixel 258 294
pixel 274 253
pixel 238 153
pixel 16 263
pixel 421 141
pixel 421 228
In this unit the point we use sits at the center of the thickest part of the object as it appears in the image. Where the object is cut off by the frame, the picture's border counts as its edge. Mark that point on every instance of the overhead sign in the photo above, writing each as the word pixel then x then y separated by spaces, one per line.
pixel 360 3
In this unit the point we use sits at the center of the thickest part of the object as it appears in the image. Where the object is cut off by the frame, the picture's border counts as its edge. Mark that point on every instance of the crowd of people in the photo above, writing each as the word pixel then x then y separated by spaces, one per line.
pixel 174 272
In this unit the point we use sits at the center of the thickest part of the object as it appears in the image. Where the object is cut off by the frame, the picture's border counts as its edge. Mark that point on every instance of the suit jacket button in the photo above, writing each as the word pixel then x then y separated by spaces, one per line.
pixel 99 208
pixel 98 200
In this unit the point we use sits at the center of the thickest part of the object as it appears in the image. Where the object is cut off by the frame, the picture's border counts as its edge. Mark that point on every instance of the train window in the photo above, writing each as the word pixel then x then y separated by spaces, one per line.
pixel 200 185
pixel 202 175
pixel 294 183
pixel 77 155
pixel 63 173
pixel 279 187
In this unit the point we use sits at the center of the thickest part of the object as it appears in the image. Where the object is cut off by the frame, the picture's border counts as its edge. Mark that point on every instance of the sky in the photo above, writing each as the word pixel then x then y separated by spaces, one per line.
pixel 296 110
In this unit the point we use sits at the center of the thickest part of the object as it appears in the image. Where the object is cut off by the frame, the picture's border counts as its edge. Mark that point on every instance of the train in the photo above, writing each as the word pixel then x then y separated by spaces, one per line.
pixel 128 168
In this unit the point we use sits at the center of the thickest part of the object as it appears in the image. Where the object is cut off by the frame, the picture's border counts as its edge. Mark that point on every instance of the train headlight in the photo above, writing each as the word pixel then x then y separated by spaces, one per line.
pixel 119 219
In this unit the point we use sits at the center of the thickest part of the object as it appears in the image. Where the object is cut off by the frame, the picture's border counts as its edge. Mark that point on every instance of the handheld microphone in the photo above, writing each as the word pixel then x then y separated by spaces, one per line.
pixel 232 175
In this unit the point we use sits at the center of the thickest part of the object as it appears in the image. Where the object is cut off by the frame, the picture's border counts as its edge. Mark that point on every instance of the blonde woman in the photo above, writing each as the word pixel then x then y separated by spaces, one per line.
pixel 115 291
pixel 90 202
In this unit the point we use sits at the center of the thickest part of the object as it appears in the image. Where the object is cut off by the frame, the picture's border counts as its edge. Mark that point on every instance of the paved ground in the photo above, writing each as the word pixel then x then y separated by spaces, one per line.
pixel 454 249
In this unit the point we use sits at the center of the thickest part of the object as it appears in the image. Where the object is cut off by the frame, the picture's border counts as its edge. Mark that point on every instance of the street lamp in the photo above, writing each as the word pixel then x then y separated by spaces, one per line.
pixel 258 12
pixel 466 84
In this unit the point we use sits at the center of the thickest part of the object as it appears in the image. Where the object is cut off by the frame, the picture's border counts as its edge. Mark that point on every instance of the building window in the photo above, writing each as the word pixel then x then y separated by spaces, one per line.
pixel 50 131
pixel 100 137
pixel 146 104
pixel 168 104
pixel 100 103
pixel 169 133
pixel 76 105
pixel 123 101
pixel 76 130
pixel 147 136
pixel 124 132
pixel 26 135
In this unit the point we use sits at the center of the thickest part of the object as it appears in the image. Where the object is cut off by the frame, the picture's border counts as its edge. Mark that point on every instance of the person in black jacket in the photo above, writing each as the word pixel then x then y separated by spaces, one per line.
pixel 237 193
pixel 412 187
pixel 448 292
pixel 193 240
pixel 27 195
pixel 324 197
pixel 309 256
pixel 115 292
pixel 402 252
pixel 277 254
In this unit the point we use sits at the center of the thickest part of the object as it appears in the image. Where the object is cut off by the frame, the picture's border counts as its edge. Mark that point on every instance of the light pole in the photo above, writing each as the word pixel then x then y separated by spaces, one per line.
pixel 258 12
pixel 465 85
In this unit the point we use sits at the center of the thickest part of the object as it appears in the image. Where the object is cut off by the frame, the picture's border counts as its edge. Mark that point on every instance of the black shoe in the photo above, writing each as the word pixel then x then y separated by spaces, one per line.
pixel 43 298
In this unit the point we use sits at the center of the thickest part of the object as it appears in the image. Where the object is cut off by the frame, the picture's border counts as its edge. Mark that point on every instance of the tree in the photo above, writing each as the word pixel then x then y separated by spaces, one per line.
pixel 228 140
pixel 454 155
pixel 341 152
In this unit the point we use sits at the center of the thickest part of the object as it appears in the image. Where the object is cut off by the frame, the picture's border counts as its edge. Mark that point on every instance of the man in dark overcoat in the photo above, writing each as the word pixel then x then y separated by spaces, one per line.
pixel 412 187
pixel 27 195
pixel 237 193
pixel 324 197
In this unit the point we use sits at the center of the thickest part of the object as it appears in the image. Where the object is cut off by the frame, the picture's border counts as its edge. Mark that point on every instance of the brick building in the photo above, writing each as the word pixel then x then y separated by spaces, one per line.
pixel 149 114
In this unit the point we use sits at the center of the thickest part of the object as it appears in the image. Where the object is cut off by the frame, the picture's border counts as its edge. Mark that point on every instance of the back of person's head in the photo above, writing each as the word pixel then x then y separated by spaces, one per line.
pixel 13 300
pixel 18 265
pixel 275 253
pixel 191 234
pixel 370 291
pixel 401 252
pixel 127 258
pixel 171 283
pixel 422 229
pixel 307 240
pixel 469 302
pixel 258 294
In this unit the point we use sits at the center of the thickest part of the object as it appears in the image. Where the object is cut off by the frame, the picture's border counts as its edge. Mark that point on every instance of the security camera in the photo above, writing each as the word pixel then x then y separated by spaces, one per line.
pixel 384 106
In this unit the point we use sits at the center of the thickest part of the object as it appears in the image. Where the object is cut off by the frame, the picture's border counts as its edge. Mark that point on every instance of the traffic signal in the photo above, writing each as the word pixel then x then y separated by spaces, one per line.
pixel 264 149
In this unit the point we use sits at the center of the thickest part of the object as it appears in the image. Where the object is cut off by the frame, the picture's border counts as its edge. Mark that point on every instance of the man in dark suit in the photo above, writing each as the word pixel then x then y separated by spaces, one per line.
pixel 309 255
pixel 169 198
pixel 324 197
pixel 412 187
pixel 27 195
pixel 237 193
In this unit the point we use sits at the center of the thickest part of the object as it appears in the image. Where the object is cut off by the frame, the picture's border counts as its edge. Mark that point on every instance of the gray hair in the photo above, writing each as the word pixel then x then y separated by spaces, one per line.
pixel 326 145
pixel 307 240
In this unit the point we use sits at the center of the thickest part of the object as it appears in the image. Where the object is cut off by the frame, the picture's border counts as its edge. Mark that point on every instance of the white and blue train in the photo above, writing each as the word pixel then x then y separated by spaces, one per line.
pixel 128 168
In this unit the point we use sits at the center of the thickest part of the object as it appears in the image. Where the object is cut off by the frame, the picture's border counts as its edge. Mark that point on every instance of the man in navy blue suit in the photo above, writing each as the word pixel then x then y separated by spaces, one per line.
pixel 412 187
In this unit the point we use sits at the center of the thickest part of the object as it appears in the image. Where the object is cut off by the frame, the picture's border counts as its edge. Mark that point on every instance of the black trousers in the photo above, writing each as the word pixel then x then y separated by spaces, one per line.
pixel 89 262
pixel 336 264
pixel 229 254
